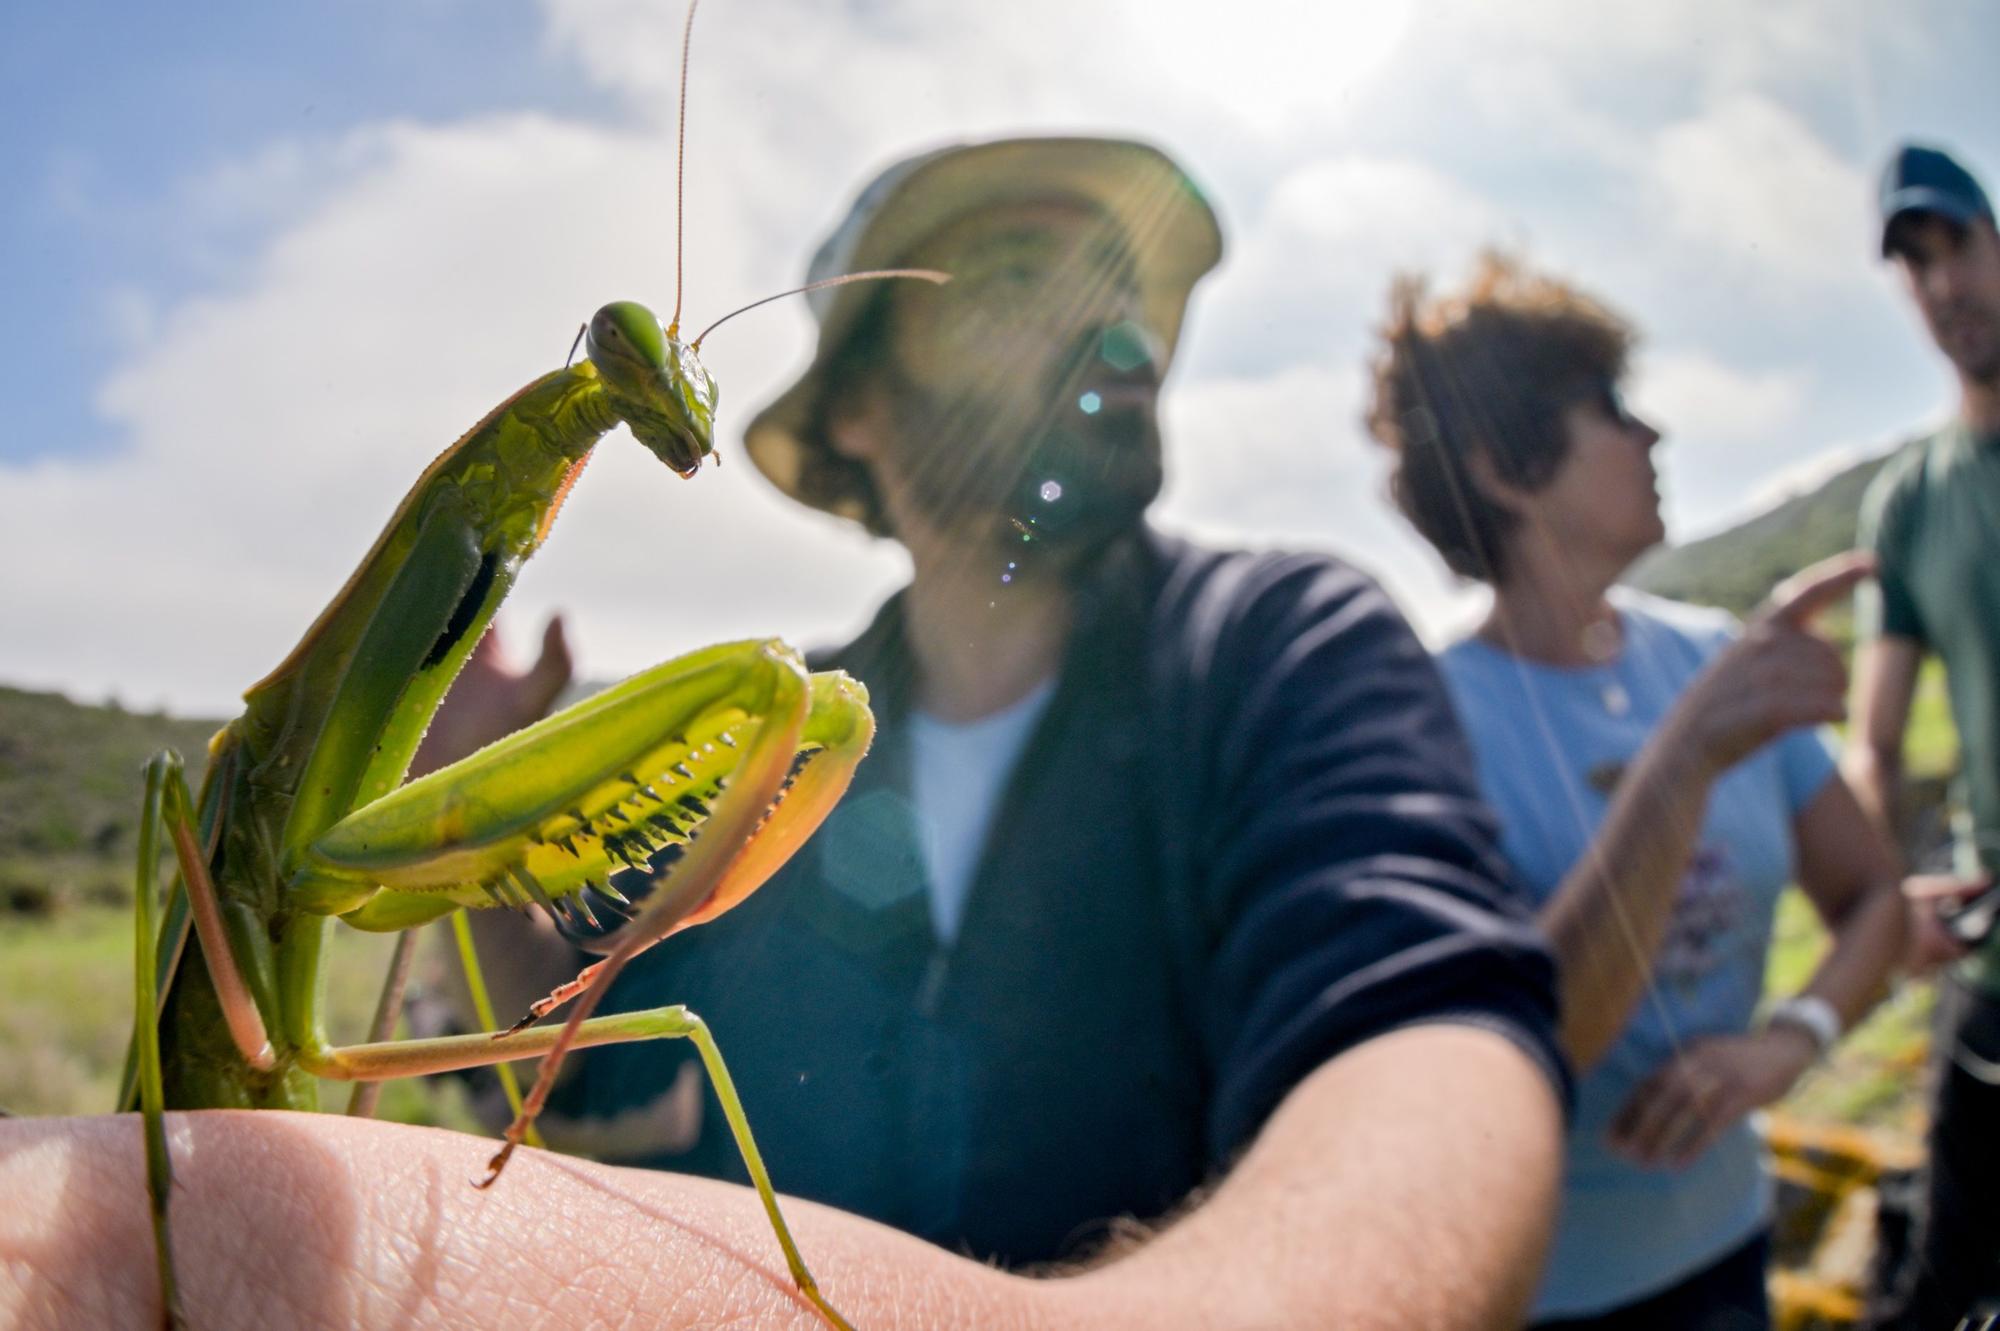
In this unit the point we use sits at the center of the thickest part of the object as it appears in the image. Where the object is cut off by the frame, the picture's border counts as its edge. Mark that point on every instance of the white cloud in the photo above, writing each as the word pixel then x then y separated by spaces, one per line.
pixel 1281 461
pixel 1751 180
pixel 381 292
pixel 1723 428
pixel 273 429
pixel 1311 269
pixel 1692 395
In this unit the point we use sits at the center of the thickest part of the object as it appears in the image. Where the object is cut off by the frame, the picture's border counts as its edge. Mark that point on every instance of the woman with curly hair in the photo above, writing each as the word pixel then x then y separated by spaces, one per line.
pixel 1658 781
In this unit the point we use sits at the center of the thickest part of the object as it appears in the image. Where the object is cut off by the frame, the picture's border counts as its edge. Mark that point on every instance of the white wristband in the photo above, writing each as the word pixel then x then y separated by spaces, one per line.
pixel 1811 1014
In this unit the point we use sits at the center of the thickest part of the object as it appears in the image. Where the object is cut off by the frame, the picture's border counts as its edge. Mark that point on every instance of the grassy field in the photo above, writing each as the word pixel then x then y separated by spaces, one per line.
pixel 66 1011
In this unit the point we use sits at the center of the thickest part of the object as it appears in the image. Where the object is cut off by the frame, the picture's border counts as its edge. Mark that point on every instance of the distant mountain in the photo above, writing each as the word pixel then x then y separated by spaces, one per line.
pixel 1735 568
pixel 70 787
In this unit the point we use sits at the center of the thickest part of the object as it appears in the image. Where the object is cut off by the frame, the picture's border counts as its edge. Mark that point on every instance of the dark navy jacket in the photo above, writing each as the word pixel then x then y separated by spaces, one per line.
pixel 1243 837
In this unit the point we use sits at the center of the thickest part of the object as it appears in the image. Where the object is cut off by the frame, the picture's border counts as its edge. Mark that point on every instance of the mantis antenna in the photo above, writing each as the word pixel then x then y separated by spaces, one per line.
pixel 922 274
pixel 680 167
pixel 680 193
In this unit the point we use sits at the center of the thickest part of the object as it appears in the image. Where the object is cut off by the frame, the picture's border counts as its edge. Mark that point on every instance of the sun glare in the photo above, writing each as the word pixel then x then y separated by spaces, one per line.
pixel 1272 61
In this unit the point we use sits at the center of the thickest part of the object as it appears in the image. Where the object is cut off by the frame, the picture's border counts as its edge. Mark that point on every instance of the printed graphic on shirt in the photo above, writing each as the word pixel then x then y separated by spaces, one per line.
pixel 1711 907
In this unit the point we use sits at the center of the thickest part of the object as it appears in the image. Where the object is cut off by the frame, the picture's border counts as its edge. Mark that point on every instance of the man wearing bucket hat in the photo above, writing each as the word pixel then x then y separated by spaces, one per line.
pixel 1933 517
pixel 1155 843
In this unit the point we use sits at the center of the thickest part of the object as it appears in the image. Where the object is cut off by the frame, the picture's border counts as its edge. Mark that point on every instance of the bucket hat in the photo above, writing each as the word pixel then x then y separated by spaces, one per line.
pixel 1168 225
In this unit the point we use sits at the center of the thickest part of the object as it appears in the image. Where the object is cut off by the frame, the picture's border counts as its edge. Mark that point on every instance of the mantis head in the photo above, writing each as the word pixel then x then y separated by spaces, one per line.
pixel 656 382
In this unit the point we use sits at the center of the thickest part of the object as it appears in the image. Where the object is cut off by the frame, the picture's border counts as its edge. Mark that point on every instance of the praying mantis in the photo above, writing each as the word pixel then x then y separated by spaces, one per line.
pixel 733 753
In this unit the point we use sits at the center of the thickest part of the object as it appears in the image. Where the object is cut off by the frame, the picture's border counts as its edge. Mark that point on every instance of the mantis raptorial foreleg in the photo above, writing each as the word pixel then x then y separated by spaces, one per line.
pixel 734 753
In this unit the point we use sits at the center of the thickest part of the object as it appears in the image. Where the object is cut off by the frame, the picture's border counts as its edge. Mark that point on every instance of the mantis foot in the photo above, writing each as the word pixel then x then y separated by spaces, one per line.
pixel 494 1166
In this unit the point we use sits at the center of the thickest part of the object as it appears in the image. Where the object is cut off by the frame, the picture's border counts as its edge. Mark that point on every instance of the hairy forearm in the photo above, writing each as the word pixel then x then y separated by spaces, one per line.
pixel 1610 912
pixel 1407 1183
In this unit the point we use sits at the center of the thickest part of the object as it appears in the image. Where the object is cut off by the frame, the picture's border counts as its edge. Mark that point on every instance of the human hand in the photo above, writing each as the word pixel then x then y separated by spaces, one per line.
pixel 1779 675
pixel 490 699
pixel 283 1219
pixel 1680 1111
pixel 1931 896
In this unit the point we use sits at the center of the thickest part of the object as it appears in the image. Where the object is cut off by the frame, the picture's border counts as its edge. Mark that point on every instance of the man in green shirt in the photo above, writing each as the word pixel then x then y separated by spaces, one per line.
pixel 1933 518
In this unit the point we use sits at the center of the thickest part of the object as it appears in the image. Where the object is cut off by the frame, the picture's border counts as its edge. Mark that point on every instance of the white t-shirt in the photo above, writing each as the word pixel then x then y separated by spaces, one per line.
pixel 957 771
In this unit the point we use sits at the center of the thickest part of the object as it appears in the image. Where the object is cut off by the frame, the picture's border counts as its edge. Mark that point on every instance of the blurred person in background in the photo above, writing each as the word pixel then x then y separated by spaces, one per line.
pixel 1932 517
pixel 1658 782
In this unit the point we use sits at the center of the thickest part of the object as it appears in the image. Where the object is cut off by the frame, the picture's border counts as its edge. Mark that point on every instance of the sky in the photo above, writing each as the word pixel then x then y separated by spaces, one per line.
pixel 262 262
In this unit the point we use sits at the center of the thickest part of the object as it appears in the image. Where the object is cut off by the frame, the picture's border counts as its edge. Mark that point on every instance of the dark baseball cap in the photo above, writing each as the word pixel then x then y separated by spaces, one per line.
pixel 1921 179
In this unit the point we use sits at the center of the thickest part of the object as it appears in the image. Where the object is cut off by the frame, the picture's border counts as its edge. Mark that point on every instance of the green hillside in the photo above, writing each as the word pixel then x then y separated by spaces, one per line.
pixel 69 795
pixel 70 785
pixel 1735 568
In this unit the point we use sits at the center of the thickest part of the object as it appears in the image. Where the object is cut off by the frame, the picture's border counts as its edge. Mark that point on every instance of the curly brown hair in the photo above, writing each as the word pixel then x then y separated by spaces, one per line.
pixel 1485 373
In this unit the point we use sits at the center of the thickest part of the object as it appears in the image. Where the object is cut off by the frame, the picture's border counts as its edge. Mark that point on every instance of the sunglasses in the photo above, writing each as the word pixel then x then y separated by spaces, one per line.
pixel 1604 397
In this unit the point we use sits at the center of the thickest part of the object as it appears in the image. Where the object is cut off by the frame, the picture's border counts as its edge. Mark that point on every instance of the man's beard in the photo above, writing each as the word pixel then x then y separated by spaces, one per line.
pixel 1977 359
pixel 1047 492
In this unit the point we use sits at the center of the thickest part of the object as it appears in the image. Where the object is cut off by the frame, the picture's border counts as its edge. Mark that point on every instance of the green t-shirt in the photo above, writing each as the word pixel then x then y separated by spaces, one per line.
pixel 1933 519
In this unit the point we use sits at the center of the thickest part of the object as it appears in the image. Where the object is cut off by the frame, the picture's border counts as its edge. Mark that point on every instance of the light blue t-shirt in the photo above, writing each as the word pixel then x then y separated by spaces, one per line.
pixel 1551 743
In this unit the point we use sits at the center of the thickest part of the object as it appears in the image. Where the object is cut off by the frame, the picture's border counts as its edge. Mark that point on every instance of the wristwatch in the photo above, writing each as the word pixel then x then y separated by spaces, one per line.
pixel 1810 1013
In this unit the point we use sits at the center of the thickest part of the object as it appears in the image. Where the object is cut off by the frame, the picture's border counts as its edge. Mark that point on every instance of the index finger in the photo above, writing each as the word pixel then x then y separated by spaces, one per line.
pixel 1798 598
pixel 1944 886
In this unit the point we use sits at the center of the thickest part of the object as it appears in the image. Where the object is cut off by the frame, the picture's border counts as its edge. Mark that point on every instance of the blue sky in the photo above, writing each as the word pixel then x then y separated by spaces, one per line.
pixel 263 261
pixel 117 109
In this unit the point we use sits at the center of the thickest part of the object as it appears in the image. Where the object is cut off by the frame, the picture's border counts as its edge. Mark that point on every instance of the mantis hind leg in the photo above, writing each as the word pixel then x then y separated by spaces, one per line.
pixel 416 1058
pixel 753 1161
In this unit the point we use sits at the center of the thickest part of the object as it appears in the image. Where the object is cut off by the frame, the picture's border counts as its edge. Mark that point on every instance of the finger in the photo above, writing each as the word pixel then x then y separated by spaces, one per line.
pixel 1934 887
pixel 1798 598
pixel 1931 944
pixel 1655 1121
pixel 1642 1095
pixel 1704 1130
pixel 555 645
pixel 552 669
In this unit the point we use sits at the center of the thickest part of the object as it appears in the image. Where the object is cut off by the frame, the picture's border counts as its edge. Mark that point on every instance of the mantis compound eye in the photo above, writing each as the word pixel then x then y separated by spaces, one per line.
pixel 628 333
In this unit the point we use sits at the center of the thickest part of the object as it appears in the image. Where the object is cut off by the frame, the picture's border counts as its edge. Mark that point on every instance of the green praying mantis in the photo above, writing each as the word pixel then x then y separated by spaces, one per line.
pixel 733 753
